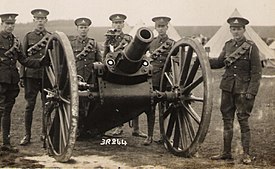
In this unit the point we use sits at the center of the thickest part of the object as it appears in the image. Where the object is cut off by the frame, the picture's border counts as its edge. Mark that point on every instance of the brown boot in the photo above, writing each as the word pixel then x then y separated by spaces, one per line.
pixel 246 159
pixel 223 156
pixel 148 141
pixel 245 137
pixel 227 139
pixel 26 140
pixel 118 131
pixel 139 134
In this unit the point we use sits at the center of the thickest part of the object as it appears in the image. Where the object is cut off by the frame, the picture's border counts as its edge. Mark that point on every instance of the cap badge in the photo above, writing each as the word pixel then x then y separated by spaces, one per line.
pixel 83 21
pixel 39 12
pixel 236 21
pixel 117 17
pixel 10 17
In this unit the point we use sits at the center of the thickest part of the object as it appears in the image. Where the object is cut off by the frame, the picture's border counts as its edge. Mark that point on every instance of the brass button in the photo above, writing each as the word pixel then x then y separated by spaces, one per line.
pixel 235 67
pixel 234 74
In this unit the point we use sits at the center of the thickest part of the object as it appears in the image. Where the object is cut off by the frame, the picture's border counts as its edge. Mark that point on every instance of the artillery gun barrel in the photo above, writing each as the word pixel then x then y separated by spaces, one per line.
pixel 133 53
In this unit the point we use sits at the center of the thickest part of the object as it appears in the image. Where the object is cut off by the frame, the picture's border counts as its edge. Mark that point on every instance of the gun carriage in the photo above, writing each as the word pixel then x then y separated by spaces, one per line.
pixel 120 89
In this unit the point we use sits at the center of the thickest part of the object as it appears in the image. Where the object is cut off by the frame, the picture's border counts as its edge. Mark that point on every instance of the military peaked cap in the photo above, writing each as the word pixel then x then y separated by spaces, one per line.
pixel 161 20
pixel 41 13
pixel 8 17
pixel 117 17
pixel 83 22
pixel 237 21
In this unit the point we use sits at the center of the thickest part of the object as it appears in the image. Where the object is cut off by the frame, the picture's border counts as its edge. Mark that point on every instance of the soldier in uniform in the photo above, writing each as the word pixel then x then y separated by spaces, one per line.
pixel 34 44
pixel 10 52
pixel 117 40
pixel 86 52
pixel 158 52
pixel 239 85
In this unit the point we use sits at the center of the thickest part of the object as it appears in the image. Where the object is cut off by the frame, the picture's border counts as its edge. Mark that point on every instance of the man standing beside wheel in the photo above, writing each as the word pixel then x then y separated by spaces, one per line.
pixel 158 52
pixel 239 84
pixel 10 52
pixel 117 40
pixel 86 52
pixel 34 44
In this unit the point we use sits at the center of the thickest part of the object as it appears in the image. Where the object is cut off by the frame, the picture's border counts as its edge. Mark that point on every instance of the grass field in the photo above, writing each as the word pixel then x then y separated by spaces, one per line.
pixel 135 154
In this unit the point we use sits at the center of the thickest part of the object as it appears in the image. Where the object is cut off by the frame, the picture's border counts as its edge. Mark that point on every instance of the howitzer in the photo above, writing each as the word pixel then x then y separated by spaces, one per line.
pixel 122 90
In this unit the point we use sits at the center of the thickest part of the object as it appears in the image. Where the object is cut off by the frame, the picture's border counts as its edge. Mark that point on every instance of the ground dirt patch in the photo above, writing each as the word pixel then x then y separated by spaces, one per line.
pixel 134 154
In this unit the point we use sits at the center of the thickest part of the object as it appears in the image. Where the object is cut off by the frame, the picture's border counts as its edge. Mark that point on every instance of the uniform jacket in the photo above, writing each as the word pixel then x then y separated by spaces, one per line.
pixel 244 75
pixel 31 39
pixel 158 61
pixel 119 42
pixel 84 63
pixel 8 70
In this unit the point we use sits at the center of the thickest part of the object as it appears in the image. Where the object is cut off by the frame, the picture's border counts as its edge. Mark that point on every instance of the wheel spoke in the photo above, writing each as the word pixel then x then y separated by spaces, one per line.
pixel 190 127
pixel 64 126
pixel 192 113
pixel 175 70
pixel 176 139
pixel 181 55
pixel 52 59
pixel 51 76
pixel 193 85
pixel 168 111
pixel 62 130
pixel 169 78
pixel 65 88
pixel 65 100
pixel 171 124
pixel 186 64
pixel 50 125
pixel 56 59
pixel 192 73
pixel 194 98
pixel 182 130
pixel 66 116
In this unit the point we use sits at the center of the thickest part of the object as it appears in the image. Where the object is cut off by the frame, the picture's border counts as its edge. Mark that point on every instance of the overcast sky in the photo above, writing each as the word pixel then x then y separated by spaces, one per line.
pixel 182 12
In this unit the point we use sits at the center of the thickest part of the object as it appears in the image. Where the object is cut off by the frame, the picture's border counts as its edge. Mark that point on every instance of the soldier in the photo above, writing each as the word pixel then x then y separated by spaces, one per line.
pixel 86 52
pixel 158 51
pixel 10 52
pixel 239 85
pixel 117 40
pixel 31 79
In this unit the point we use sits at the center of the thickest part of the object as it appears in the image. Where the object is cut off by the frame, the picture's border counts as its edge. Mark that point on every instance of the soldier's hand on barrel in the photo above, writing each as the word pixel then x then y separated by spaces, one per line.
pixel 249 96
pixel 21 83
pixel 45 61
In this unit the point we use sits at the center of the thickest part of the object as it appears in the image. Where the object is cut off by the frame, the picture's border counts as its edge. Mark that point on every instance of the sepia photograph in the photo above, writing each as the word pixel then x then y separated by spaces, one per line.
pixel 179 84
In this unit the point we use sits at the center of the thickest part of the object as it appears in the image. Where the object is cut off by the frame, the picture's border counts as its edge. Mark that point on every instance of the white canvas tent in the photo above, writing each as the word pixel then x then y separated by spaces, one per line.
pixel 127 28
pixel 171 32
pixel 138 25
pixel 272 45
pixel 216 43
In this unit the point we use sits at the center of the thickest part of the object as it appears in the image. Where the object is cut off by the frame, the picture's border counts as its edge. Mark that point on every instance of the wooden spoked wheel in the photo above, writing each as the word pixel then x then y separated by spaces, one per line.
pixel 184 121
pixel 60 89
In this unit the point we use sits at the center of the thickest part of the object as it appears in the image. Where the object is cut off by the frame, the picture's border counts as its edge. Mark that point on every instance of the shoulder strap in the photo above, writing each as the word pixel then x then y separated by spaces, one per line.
pixel 39 45
pixel 229 60
pixel 15 48
pixel 124 42
pixel 163 48
pixel 86 50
